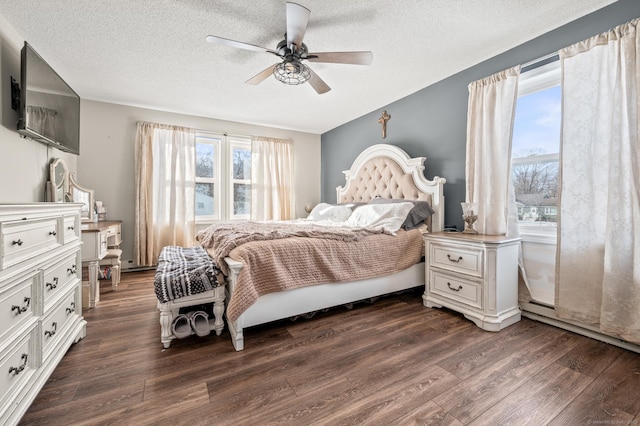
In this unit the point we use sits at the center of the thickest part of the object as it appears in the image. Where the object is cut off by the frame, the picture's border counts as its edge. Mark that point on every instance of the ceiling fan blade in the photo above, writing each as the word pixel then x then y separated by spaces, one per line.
pixel 317 83
pixel 238 44
pixel 261 76
pixel 355 58
pixel 297 20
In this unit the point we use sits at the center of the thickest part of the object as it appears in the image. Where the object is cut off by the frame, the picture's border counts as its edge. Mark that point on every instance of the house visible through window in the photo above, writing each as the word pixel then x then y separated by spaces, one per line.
pixel 223 177
pixel 240 179
pixel 535 149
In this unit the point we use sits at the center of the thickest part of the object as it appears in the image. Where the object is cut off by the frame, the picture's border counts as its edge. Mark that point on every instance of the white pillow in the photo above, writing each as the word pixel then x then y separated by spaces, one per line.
pixel 334 213
pixel 387 216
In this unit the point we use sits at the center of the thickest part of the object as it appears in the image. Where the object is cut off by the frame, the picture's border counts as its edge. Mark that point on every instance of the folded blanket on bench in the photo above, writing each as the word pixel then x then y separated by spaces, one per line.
pixel 185 271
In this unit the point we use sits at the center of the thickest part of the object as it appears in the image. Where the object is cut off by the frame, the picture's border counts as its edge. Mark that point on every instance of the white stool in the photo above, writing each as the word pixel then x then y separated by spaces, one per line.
pixel 112 259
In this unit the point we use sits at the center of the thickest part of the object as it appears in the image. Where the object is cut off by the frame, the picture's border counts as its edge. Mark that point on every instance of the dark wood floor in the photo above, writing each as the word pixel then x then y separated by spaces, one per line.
pixel 388 363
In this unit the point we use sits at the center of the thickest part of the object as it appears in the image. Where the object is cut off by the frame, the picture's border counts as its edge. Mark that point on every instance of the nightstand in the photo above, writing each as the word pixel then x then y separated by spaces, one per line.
pixel 476 275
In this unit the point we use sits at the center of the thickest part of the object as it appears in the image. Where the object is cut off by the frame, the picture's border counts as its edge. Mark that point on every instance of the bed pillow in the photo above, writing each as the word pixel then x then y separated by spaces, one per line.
pixel 334 213
pixel 420 212
pixel 389 217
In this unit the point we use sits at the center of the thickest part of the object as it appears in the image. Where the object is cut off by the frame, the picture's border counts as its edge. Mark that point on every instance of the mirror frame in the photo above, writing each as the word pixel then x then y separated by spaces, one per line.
pixel 62 187
pixel 80 194
pixel 58 184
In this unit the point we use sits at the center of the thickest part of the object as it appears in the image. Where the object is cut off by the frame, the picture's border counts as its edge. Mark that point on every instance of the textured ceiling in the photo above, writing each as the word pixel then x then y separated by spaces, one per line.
pixel 152 53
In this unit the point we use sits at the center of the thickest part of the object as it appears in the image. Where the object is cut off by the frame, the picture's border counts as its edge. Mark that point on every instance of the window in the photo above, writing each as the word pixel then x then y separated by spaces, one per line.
pixel 535 149
pixel 240 179
pixel 207 178
pixel 223 177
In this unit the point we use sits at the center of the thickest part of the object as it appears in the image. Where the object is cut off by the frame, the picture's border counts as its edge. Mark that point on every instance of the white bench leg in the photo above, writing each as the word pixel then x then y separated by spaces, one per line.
pixel 218 310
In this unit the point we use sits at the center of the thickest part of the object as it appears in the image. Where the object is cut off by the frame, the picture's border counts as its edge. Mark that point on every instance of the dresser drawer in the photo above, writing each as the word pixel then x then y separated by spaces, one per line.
pixel 59 276
pixel 26 239
pixel 17 365
pixel 455 288
pixel 17 301
pixel 457 259
pixel 54 325
pixel 71 229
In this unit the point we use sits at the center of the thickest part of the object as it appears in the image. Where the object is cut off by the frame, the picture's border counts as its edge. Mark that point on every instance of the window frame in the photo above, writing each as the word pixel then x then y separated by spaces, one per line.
pixel 535 80
pixel 236 142
pixel 223 179
pixel 216 140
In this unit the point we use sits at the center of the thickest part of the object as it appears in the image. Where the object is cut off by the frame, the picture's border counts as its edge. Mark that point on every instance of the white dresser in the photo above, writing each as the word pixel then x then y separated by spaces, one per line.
pixel 476 275
pixel 40 298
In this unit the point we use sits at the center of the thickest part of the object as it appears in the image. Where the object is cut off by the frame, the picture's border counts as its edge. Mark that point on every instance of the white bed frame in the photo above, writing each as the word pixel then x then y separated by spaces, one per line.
pixel 362 184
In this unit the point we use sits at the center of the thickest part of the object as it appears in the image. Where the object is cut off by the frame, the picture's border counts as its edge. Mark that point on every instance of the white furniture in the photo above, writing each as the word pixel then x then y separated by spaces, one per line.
pixel 170 310
pixel 113 261
pixel 380 170
pixel 40 298
pixel 476 275
pixel 96 239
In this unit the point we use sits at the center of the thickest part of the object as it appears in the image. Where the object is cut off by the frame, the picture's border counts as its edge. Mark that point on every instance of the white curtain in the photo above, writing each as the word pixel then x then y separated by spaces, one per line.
pixel 272 179
pixel 165 183
pixel 598 265
pixel 491 110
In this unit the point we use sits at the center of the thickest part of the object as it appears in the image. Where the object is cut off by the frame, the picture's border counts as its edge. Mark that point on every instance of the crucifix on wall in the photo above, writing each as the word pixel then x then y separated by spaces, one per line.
pixel 383 120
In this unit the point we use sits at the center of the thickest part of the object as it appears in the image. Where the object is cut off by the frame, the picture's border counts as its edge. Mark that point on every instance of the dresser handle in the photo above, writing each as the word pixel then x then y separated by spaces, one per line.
pixel 18 242
pixel 72 308
pixel 72 270
pixel 19 310
pixel 454 260
pixel 53 331
pixel 52 233
pixel 71 228
pixel 17 370
pixel 454 289
pixel 54 284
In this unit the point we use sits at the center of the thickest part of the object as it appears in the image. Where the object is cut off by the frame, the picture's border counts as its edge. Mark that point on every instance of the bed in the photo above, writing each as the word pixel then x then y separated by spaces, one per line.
pixel 381 171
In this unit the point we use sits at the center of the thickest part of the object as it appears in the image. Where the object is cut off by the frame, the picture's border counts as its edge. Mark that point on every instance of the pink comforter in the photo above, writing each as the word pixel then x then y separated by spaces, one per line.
pixel 292 261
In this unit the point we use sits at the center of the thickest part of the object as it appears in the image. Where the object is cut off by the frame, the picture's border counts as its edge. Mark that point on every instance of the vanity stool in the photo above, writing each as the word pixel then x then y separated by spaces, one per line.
pixel 112 260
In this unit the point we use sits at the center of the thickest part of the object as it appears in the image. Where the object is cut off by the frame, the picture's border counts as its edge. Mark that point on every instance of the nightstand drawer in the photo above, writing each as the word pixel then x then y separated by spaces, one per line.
pixel 457 259
pixel 454 288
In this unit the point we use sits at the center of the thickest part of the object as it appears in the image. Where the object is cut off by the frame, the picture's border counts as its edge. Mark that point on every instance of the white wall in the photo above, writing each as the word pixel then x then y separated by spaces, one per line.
pixel 106 161
pixel 24 163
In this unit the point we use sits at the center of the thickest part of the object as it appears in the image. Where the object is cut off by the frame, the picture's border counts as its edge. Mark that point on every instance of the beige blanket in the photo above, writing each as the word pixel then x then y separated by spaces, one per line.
pixel 299 261
pixel 220 239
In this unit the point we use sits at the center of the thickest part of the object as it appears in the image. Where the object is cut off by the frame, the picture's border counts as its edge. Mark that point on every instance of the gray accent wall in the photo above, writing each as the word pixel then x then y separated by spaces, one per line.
pixel 433 121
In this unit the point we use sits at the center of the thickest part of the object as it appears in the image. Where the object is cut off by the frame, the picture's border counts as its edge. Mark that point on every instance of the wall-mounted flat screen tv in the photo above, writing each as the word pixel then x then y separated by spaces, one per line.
pixel 49 108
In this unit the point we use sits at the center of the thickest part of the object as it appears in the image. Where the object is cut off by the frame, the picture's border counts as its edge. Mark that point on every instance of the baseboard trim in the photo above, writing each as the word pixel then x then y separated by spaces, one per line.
pixel 547 315
pixel 139 269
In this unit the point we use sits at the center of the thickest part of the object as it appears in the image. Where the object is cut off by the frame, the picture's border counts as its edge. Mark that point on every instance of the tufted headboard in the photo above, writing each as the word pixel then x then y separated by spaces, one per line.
pixel 387 171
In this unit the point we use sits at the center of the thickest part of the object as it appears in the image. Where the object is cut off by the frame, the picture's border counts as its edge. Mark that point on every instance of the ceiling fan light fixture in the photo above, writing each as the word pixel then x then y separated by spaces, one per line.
pixel 291 72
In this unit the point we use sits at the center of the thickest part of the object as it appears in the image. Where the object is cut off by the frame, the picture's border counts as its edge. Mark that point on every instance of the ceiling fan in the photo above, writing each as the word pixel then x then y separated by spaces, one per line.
pixel 293 52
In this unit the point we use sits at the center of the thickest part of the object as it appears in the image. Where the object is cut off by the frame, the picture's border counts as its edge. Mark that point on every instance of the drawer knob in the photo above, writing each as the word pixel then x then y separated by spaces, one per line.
pixel 17 242
pixel 52 233
pixel 52 332
pixel 454 260
pixel 72 270
pixel 454 289
pixel 54 284
pixel 72 308
pixel 22 309
pixel 71 228
pixel 17 370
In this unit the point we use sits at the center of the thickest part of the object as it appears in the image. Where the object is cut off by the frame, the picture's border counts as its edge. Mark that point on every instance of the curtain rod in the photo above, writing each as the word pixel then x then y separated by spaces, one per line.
pixel 551 57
